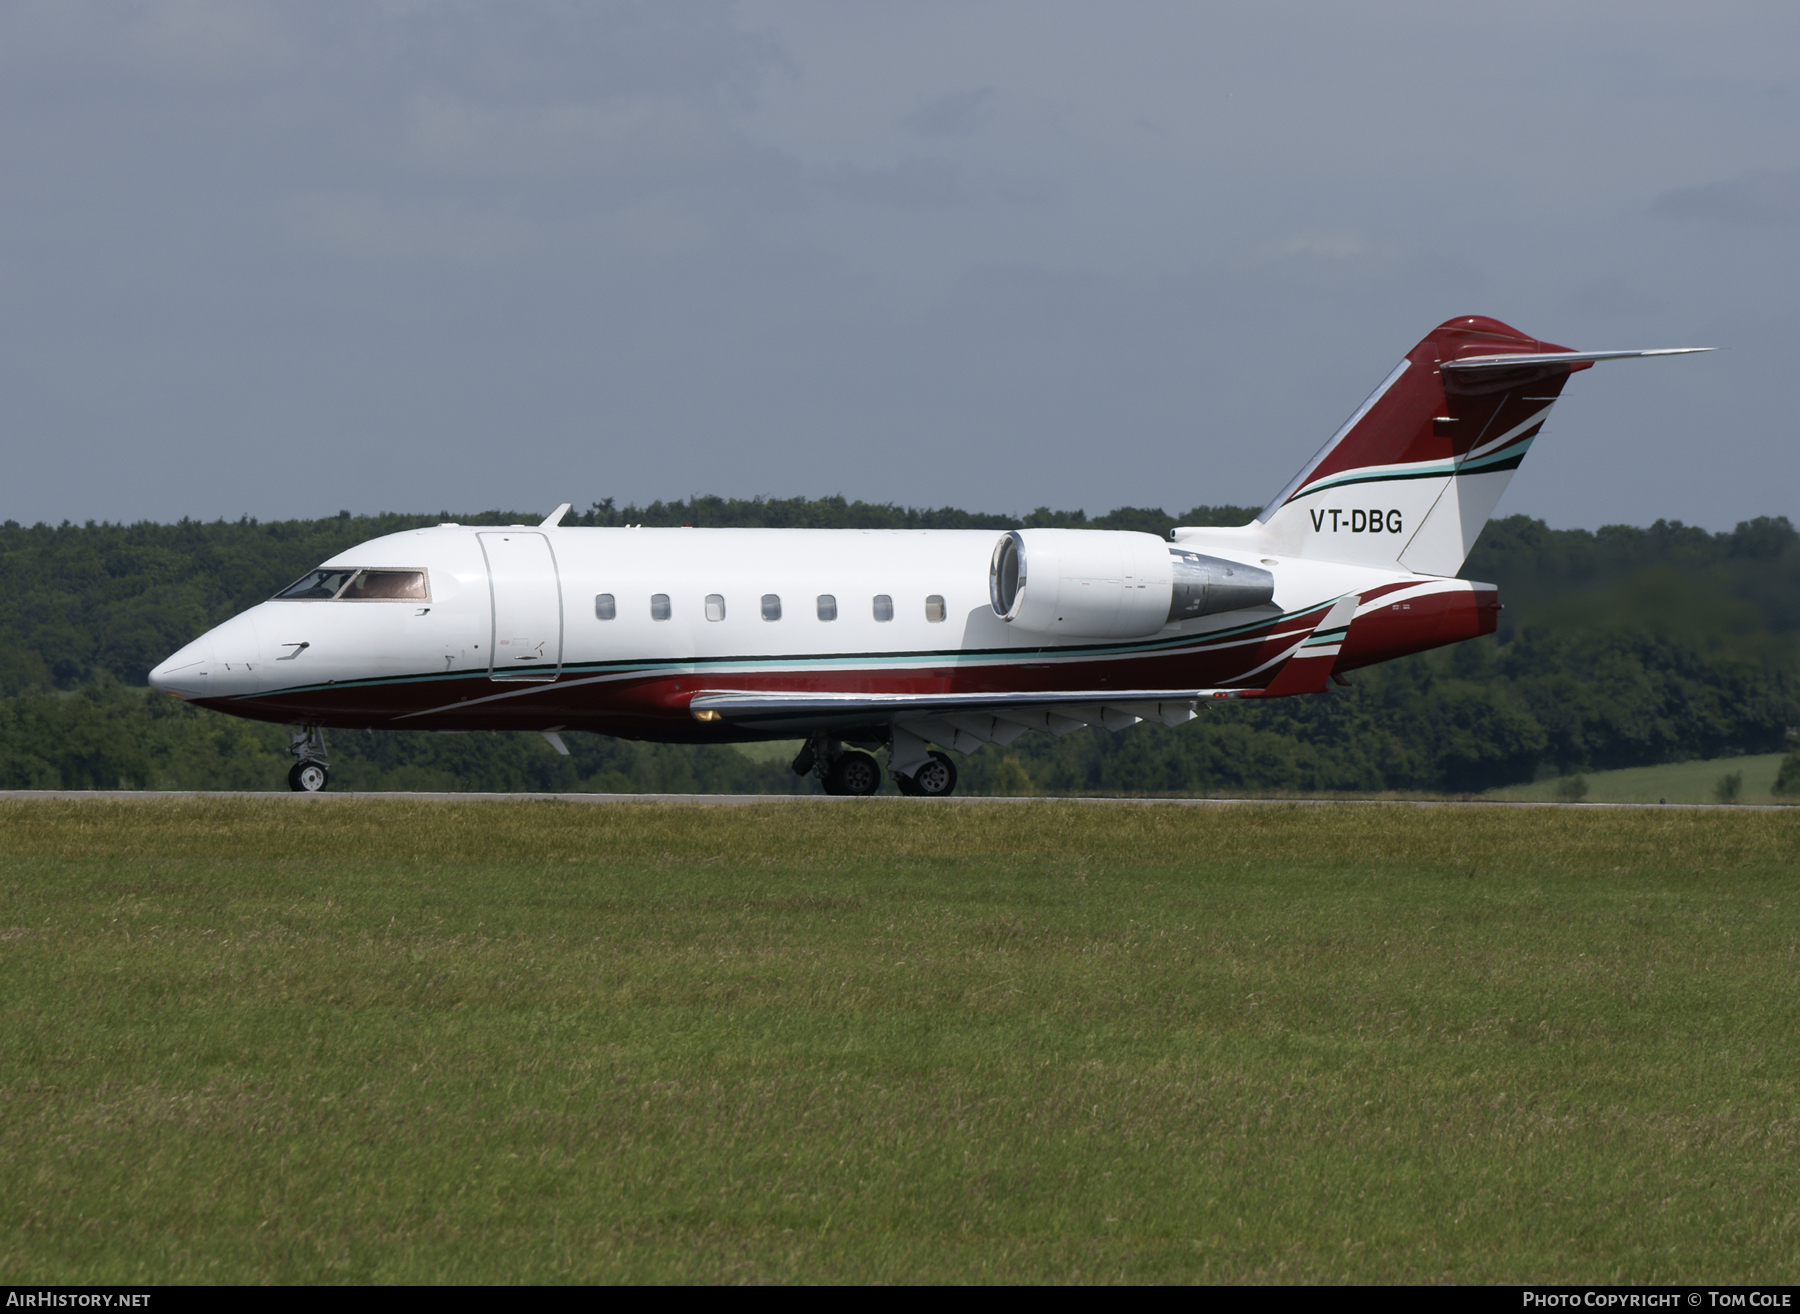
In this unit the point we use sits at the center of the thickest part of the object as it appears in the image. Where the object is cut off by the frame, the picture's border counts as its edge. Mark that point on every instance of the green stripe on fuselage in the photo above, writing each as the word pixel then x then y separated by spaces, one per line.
pixel 695 666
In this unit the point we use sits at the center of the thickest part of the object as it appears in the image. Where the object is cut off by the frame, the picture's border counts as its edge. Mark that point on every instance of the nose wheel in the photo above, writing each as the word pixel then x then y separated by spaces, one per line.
pixel 308 777
pixel 311 770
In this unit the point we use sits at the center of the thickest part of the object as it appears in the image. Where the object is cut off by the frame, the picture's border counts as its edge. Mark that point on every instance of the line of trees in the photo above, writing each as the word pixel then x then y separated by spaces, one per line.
pixel 1621 647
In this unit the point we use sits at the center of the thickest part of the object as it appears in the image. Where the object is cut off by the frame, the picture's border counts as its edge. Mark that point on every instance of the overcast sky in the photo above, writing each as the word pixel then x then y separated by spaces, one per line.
pixel 279 259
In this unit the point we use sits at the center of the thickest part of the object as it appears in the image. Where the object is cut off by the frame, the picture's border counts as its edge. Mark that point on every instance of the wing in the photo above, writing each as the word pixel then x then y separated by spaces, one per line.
pixel 977 718
pixel 966 721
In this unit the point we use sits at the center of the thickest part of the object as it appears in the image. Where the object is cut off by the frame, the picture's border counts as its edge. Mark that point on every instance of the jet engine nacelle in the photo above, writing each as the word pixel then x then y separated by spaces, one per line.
pixel 1112 584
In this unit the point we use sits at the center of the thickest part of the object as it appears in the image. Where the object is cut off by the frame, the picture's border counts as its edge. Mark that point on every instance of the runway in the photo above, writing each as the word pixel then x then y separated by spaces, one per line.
pixel 746 800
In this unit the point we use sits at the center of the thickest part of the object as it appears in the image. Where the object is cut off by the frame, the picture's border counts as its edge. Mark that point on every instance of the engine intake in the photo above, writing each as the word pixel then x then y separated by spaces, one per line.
pixel 1112 584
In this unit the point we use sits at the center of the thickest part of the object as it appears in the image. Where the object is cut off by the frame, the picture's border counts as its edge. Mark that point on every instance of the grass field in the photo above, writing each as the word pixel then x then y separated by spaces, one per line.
pixel 1676 782
pixel 335 1040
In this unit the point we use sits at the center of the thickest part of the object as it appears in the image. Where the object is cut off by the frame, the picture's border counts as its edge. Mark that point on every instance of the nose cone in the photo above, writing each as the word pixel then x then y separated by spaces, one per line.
pixel 188 674
pixel 225 662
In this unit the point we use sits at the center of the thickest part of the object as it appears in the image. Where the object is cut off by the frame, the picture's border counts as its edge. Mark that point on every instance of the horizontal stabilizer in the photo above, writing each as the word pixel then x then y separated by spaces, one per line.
pixel 1560 358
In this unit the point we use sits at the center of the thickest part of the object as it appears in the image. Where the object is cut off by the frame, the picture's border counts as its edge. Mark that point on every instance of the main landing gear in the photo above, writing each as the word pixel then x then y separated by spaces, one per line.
pixel 918 769
pixel 936 779
pixel 841 770
pixel 311 770
pixel 851 771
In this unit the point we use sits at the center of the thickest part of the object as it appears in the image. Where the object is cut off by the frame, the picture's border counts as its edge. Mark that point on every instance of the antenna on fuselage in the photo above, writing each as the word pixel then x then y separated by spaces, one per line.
pixel 554 519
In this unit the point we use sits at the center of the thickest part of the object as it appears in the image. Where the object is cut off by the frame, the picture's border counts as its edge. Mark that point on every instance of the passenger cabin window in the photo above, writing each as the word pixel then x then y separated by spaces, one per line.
pixel 771 606
pixel 715 606
pixel 884 607
pixel 659 606
pixel 317 584
pixel 386 586
pixel 827 607
pixel 934 607
pixel 605 608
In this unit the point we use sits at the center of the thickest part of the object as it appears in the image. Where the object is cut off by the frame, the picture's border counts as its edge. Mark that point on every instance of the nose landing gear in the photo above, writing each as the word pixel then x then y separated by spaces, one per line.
pixel 308 777
pixel 311 770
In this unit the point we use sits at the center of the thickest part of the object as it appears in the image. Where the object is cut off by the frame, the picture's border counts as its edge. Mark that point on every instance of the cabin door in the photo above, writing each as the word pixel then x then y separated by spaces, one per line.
pixel 527 593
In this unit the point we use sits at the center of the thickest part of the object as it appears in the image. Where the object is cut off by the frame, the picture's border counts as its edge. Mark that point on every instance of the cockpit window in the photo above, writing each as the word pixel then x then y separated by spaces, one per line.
pixel 317 584
pixel 360 586
pixel 385 585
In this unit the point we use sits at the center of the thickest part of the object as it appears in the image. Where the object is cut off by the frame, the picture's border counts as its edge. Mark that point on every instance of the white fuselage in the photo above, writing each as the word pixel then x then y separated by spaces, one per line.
pixel 520 602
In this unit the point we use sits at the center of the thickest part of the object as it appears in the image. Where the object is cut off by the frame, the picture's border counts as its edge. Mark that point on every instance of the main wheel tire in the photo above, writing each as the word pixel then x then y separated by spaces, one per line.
pixel 308 778
pixel 936 779
pixel 853 773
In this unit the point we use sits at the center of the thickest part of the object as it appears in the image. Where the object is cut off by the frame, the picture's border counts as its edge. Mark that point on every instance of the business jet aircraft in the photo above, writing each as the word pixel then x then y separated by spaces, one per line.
pixel 903 638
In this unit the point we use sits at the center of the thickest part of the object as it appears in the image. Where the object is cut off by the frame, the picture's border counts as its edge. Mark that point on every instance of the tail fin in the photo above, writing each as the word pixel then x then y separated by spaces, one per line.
pixel 1414 474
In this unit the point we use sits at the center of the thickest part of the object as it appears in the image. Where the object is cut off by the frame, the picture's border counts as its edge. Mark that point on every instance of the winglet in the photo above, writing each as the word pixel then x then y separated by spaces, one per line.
pixel 1309 669
pixel 554 519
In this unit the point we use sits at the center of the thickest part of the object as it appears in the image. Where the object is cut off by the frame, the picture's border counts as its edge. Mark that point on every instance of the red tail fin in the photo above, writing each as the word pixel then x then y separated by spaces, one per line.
pixel 1371 492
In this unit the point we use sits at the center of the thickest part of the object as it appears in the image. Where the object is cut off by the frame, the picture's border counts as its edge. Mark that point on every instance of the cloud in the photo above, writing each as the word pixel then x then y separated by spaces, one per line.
pixel 1336 246
pixel 455 230
pixel 913 184
pixel 1763 197
pixel 1612 298
pixel 377 227
pixel 408 131
pixel 630 146
pixel 1029 191
pixel 960 114
pixel 193 44
pixel 1345 262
